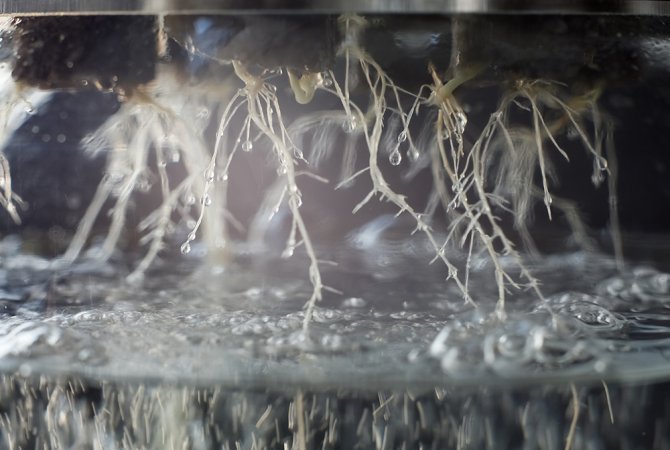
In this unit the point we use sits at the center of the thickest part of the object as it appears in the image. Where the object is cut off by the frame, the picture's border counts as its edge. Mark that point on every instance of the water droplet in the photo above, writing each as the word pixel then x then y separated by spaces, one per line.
pixel 190 200
pixel 209 176
pixel 462 121
pixel 298 153
pixel 207 200
pixel 30 110
pixel 203 113
pixel 349 125
pixel 143 186
pixel 288 252
pixel 445 135
pixel 175 157
pixel 601 164
pixel 395 157
pixel 412 154
pixel 247 146
pixel 327 82
pixel 402 137
pixel 185 248
pixel 61 138
pixel 453 272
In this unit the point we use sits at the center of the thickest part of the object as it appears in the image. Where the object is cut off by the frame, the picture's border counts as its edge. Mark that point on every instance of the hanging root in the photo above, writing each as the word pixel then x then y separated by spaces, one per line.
pixel 264 114
pixel 504 155
pixel 141 128
pixel 520 151
pixel 371 124
pixel 8 199
pixel 515 154
pixel 13 107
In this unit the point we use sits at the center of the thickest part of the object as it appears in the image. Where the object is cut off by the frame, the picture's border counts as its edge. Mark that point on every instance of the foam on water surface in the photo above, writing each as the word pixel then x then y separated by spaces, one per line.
pixel 395 323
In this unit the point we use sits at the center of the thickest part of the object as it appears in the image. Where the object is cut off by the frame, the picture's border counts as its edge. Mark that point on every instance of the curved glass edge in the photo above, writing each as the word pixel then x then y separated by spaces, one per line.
pixel 37 7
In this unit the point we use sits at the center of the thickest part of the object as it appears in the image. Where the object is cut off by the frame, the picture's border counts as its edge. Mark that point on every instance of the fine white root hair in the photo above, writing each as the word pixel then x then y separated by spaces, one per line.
pixel 17 102
pixel 142 127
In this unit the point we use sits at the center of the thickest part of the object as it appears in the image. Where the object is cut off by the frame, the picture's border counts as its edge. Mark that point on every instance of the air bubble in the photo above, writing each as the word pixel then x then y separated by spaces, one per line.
pixel 354 302
pixel 402 137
